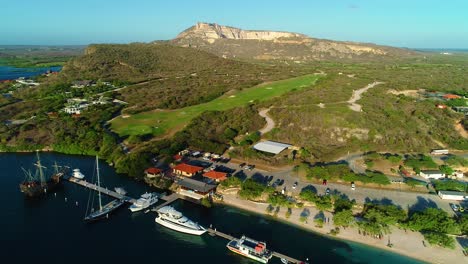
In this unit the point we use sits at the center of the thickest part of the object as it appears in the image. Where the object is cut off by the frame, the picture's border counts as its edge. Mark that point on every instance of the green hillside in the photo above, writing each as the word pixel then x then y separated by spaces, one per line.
pixel 160 122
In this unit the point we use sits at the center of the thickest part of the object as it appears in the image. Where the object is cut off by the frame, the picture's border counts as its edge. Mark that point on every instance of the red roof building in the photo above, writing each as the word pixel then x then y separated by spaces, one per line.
pixel 177 157
pixel 216 175
pixel 152 172
pixel 186 170
pixel 451 96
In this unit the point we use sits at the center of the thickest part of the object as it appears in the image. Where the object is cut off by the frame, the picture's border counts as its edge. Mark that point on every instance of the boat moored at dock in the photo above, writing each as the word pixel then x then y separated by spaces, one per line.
pixel 77 174
pixel 145 201
pixel 250 248
pixel 175 220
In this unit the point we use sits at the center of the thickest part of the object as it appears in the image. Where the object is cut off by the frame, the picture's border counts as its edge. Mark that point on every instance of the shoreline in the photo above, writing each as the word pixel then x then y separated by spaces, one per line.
pixel 406 243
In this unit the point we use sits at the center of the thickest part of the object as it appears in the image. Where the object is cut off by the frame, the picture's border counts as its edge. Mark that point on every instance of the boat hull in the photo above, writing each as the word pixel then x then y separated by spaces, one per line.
pixel 134 208
pixel 178 228
pixel 235 250
pixel 104 213
pixel 35 189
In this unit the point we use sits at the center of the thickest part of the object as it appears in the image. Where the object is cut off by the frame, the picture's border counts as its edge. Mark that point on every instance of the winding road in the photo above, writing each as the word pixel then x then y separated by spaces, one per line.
pixel 357 96
pixel 270 123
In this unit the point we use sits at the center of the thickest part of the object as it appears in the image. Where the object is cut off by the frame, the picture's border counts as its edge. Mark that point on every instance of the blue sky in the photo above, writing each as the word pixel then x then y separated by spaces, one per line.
pixel 403 23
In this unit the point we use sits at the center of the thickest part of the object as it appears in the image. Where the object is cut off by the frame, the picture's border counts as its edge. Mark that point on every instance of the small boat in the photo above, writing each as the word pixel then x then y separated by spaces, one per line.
pixel 145 201
pixel 175 220
pixel 120 190
pixel 147 211
pixel 284 261
pixel 250 248
pixel 77 174
pixel 103 211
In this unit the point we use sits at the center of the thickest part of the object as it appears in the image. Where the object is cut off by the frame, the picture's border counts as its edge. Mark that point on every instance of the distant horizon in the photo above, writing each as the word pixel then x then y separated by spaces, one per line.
pixel 397 23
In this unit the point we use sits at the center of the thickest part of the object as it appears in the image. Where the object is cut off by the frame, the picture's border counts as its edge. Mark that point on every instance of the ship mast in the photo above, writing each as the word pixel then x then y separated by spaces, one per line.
pixel 98 183
pixel 41 173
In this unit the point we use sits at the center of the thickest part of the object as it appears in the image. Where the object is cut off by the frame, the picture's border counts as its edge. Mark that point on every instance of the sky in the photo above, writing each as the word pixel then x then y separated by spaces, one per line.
pixel 400 23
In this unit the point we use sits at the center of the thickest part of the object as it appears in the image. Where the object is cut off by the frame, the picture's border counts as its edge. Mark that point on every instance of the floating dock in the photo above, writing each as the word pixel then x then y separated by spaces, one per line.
pixel 215 232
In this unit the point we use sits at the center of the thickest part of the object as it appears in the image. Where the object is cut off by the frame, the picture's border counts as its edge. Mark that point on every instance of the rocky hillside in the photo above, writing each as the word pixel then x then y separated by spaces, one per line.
pixel 230 42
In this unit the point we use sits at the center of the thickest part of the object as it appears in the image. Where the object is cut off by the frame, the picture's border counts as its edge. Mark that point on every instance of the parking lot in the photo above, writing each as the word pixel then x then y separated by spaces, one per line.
pixel 288 181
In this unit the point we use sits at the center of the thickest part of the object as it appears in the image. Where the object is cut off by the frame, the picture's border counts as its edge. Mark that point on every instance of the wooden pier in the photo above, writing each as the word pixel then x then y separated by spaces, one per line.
pixel 168 199
pixel 101 189
pixel 215 232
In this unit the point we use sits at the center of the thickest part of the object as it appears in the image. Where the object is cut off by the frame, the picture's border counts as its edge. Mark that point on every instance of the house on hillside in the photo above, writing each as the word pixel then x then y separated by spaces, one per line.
pixel 186 170
pixel 82 84
pixel 216 176
pixel 432 174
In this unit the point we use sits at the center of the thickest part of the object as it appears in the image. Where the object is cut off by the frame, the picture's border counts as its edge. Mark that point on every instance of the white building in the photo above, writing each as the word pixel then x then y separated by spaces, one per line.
pixel 431 174
pixel 271 147
pixel 451 195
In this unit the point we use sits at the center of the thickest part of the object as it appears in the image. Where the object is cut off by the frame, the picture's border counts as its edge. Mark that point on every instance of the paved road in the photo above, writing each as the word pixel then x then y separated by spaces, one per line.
pixel 404 199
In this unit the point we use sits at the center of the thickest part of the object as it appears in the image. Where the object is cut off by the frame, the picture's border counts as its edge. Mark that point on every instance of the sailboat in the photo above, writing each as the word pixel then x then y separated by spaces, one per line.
pixel 38 184
pixel 103 210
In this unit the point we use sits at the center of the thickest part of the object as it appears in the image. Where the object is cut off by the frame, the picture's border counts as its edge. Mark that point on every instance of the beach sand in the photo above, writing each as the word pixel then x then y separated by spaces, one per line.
pixel 406 243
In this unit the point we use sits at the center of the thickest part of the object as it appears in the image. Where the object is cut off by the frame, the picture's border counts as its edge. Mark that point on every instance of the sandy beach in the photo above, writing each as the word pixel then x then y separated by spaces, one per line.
pixel 405 243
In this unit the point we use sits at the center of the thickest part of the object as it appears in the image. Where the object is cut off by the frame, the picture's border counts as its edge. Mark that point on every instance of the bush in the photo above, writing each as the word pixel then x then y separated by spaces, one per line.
pixel 343 218
pixel 440 239
pixel 232 181
pixel 318 222
pixel 206 202
pixel 251 189
pixel 420 162
pixel 445 169
pixel 279 199
pixel 449 185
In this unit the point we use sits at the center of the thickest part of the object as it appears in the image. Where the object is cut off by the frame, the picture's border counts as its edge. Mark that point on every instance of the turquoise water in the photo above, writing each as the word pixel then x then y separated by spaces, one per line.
pixel 51 229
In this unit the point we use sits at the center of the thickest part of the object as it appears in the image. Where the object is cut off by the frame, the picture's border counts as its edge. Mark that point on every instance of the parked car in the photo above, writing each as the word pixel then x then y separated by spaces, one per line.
pixel 242 165
pixel 353 186
pixel 324 182
pixel 462 210
pixel 294 185
pixel 327 191
pixel 281 182
pixel 455 207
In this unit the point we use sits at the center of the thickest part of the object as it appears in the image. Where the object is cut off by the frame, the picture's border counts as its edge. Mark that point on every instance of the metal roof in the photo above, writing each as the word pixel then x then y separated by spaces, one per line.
pixel 271 146
pixel 453 193
pixel 196 185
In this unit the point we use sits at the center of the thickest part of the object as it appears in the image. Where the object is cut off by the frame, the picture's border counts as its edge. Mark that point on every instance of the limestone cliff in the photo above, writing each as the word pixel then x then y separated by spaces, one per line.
pixel 231 42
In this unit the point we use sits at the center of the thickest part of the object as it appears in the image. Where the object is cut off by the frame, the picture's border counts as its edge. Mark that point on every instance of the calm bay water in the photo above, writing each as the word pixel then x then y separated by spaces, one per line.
pixel 10 73
pixel 51 229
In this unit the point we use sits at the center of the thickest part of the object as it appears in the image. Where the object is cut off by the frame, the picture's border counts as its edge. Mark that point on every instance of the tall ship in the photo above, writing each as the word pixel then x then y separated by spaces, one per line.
pixel 145 201
pixel 38 184
pixel 103 211
pixel 175 220
pixel 250 248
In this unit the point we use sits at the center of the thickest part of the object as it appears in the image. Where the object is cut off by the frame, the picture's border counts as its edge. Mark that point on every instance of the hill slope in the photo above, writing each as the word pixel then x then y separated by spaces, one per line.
pixel 230 42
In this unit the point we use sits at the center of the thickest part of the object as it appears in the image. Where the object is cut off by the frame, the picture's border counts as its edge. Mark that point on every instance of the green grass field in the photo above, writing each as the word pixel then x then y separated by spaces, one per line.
pixel 161 122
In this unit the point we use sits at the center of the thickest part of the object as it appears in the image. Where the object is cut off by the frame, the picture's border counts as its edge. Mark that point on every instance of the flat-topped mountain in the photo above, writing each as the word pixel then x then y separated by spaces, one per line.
pixel 231 42
pixel 212 31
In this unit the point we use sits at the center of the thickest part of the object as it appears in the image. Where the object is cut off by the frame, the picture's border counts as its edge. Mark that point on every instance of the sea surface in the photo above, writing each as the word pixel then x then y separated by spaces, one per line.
pixel 51 229
pixel 11 73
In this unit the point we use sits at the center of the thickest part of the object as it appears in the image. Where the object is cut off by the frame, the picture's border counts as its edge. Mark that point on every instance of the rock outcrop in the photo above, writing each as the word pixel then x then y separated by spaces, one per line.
pixel 231 42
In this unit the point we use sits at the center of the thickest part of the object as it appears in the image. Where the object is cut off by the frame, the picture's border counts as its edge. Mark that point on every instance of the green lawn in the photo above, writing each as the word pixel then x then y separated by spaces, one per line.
pixel 160 122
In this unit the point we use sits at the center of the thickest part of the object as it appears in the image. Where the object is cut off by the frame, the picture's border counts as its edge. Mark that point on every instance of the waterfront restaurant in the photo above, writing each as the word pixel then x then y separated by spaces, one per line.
pixel 217 176
pixel 195 189
pixel 186 170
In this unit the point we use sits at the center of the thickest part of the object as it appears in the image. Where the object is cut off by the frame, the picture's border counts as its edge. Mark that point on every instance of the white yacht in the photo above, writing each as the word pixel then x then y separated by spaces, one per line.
pixel 77 174
pixel 145 201
pixel 173 219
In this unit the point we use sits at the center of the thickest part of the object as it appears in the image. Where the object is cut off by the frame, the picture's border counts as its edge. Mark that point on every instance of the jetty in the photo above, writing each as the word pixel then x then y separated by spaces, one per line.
pixel 101 189
pixel 214 232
